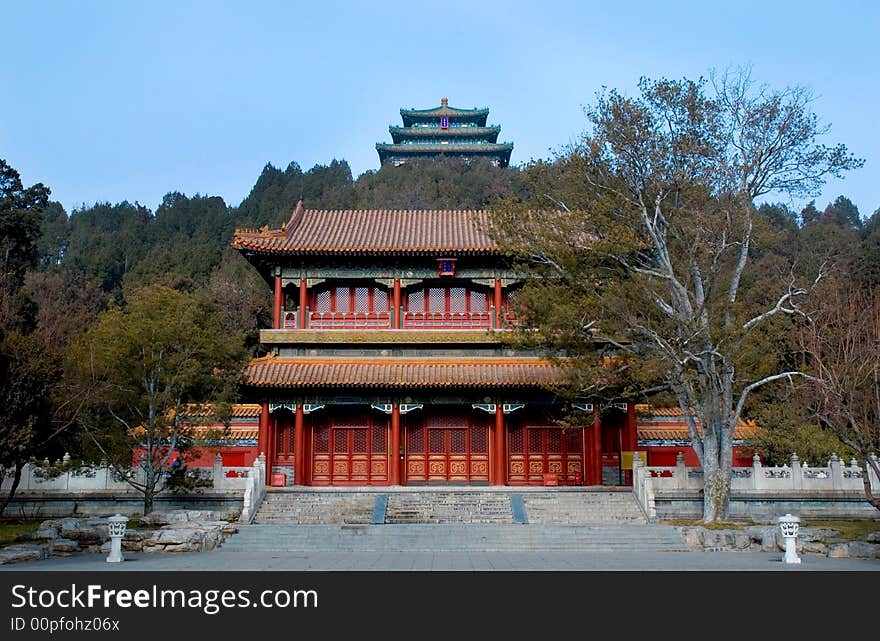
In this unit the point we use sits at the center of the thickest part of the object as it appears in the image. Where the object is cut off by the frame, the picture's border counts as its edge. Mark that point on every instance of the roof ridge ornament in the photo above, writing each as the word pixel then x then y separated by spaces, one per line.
pixel 295 218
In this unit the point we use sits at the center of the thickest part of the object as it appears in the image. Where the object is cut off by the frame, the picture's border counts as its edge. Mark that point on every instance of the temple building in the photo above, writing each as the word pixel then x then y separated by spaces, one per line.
pixel 387 364
pixel 444 131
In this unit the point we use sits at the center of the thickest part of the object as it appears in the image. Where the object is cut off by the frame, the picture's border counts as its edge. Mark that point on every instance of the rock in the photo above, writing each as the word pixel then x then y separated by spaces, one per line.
pixel 180 516
pixel 862 550
pixel 690 536
pixel 813 547
pixel 80 531
pixel 135 536
pixel 872 537
pixel 132 546
pixel 741 540
pixel 43 534
pixel 838 551
pixel 51 524
pixel 22 552
pixel 817 534
pixel 63 547
pixel 762 538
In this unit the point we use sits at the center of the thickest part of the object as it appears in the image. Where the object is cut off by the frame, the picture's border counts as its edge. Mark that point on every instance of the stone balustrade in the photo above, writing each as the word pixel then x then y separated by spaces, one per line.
pixel 36 477
pixel 792 479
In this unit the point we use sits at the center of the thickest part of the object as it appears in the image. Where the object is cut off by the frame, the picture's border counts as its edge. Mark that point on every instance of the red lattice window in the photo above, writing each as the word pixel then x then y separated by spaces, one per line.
pixel 343 302
pixel 436 441
pixel 458 441
pixel 380 300
pixel 516 440
pixel 379 439
pixel 340 440
pixel 359 445
pixel 479 302
pixel 535 440
pixel 322 439
pixel 479 439
pixel 573 440
pixel 362 299
pixel 322 301
pixel 458 299
pixel 436 299
pixel 554 441
pixel 416 301
pixel 416 439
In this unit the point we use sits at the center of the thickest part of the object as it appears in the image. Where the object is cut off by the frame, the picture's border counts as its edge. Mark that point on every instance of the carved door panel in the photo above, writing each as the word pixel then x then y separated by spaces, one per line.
pixel 350 450
pixel 535 450
pixel 447 449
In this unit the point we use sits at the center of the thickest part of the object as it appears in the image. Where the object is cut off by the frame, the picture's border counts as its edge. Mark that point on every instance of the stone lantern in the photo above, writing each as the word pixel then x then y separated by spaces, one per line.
pixel 790 524
pixel 117 526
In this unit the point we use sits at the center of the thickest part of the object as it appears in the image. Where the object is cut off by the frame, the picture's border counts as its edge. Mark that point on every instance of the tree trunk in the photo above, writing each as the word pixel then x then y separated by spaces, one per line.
pixel 716 494
pixel 866 481
pixel 148 501
pixel 16 479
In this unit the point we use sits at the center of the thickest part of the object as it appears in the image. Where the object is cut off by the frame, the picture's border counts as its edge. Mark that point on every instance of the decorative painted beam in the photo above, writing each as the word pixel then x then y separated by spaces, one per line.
pixel 308 408
pixel 281 406
pixel 486 407
pixel 406 409
pixel 385 408
pixel 509 408
pixel 586 407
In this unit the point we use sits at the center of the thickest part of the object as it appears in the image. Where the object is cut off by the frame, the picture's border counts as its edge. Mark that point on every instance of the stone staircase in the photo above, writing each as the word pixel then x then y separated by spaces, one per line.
pixel 448 507
pixel 316 508
pixel 396 506
pixel 580 508
pixel 457 537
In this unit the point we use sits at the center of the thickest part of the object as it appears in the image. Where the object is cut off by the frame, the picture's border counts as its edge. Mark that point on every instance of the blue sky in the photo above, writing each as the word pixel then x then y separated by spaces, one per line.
pixel 108 101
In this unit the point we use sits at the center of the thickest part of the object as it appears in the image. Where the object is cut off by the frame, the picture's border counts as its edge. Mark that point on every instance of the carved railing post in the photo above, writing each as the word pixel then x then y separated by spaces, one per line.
pixel 756 471
pixel 797 472
pixel 836 472
pixel 681 472
pixel 218 472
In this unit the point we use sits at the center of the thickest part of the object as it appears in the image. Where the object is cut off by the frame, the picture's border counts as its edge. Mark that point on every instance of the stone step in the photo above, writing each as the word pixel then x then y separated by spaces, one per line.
pixel 449 506
pixel 454 538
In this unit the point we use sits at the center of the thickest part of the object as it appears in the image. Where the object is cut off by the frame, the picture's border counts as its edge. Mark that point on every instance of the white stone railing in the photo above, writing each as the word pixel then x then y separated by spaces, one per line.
pixel 798 477
pixel 254 489
pixel 35 478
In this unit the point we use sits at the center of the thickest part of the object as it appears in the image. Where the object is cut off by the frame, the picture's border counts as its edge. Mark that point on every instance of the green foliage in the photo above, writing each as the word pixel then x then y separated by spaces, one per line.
pixel 141 368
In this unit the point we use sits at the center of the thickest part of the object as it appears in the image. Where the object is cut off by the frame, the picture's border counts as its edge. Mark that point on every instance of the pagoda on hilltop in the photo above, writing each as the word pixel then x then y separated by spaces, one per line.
pixel 444 131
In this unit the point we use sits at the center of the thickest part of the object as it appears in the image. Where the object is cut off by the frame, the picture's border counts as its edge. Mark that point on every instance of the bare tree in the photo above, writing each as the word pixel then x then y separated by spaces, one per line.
pixel 648 249
pixel 843 344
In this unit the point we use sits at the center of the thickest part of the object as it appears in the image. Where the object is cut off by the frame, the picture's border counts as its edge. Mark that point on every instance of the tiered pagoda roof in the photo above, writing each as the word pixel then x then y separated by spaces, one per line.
pixel 444 131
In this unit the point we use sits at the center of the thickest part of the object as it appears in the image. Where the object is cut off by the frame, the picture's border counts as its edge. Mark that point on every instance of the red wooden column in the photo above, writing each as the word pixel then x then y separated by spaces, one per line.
pixel 597 446
pixel 631 438
pixel 395 444
pixel 632 435
pixel 303 302
pixel 263 436
pixel 498 303
pixel 395 305
pixel 279 302
pixel 299 449
pixel 500 462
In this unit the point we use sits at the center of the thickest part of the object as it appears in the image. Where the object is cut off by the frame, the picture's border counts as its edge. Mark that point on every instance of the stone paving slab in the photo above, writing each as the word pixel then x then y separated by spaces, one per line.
pixel 220 560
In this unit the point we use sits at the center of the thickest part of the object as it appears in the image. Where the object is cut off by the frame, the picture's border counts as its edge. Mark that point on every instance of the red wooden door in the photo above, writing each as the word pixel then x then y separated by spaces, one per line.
pixel 535 450
pixel 447 449
pixel 350 449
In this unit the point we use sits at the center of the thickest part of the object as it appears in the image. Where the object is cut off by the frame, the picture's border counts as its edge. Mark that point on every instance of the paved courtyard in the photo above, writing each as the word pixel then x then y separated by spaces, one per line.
pixel 222 560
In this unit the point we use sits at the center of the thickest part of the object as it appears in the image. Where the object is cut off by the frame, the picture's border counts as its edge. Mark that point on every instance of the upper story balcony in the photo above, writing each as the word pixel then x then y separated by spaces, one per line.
pixel 426 307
